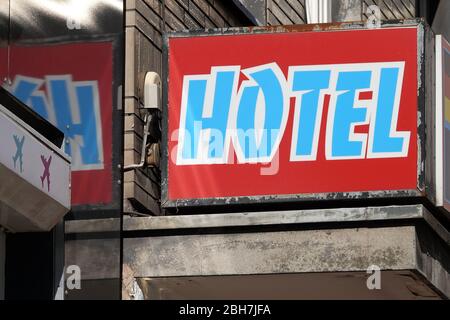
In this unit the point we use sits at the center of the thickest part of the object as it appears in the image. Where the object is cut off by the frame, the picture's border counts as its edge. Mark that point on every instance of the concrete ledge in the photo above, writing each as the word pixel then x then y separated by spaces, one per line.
pixel 272 252
pixel 273 218
pixel 92 225
pixel 422 247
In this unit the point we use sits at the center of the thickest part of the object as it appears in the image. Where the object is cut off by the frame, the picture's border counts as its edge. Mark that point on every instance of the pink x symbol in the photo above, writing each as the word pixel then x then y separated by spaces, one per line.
pixel 46 174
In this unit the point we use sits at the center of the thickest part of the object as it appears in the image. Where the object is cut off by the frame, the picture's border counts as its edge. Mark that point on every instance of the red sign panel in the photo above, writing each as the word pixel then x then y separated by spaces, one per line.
pixel 285 114
pixel 72 88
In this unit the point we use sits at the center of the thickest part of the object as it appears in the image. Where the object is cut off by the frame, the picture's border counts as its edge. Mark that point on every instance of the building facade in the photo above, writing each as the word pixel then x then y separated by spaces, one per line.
pixel 88 69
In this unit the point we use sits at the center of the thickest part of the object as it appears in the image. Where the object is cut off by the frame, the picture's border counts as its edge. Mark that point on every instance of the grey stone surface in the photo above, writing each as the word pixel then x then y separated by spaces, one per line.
pixel 92 225
pixel 272 252
pixel 97 258
pixel 422 246
pixel 346 10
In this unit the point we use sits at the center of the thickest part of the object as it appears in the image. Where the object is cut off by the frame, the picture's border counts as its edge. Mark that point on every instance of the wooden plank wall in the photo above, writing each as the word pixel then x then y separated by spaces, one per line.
pixel 286 12
pixel 145 22
pixel 391 9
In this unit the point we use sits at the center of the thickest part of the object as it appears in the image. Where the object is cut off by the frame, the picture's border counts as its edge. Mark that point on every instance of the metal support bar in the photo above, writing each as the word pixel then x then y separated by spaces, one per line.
pixel 144 146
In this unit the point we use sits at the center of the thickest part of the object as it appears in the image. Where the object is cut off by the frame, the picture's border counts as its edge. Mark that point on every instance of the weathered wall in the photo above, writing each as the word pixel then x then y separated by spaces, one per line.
pixel 272 252
pixel 391 9
pixel 422 247
pixel 285 12
pixel 145 22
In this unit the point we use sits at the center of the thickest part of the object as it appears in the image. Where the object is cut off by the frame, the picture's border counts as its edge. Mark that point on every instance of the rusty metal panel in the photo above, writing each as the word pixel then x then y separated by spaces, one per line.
pixel 187 184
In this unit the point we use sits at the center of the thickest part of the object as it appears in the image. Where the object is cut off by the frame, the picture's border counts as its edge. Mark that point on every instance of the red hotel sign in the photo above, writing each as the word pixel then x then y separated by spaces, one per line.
pixel 75 95
pixel 291 114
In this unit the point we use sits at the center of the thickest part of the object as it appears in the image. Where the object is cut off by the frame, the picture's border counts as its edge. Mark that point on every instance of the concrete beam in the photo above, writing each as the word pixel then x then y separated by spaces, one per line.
pixel 92 225
pixel 273 218
pixel 272 252
pixel 423 247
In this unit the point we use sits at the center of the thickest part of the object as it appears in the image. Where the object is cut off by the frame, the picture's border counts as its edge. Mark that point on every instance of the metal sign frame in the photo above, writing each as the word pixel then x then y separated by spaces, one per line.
pixel 441 132
pixel 420 191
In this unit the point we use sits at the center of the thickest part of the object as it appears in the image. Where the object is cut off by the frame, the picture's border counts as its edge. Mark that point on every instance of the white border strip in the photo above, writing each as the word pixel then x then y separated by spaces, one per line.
pixel 439 174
